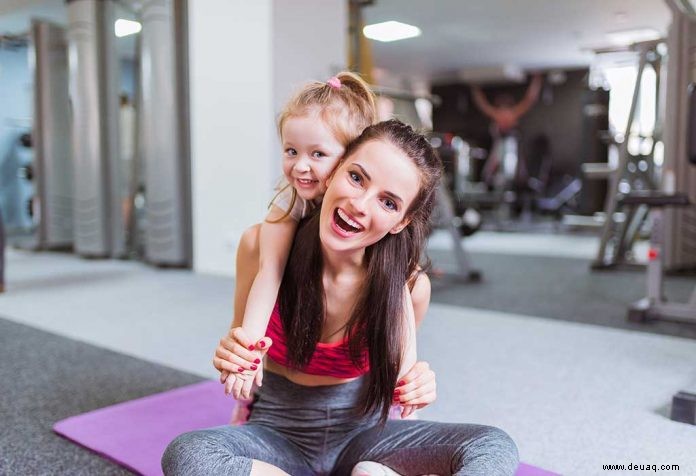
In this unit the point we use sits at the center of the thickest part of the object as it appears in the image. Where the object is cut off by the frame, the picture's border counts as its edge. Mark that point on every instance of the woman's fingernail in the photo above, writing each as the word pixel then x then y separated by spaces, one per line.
pixel 262 344
pixel 240 369
pixel 251 347
pixel 253 367
pixel 396 398
pixel 397 392
pixel 402 383
pixel 257 361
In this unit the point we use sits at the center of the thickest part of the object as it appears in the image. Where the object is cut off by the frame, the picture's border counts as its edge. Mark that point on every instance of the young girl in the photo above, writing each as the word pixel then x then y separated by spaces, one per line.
pixel 315 126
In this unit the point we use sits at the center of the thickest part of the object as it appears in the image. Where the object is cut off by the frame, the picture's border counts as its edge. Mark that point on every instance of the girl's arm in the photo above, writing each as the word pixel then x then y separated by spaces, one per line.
pixel 276 234
pixel 275 241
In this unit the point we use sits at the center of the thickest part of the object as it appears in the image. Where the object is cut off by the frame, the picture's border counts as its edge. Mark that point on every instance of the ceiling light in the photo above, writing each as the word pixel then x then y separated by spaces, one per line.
pixel 627 37
pixel 126 27
pixel 391 31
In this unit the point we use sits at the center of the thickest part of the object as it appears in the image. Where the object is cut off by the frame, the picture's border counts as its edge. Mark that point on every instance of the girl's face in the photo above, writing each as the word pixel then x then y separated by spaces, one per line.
pixel 368 196
pixel 310 153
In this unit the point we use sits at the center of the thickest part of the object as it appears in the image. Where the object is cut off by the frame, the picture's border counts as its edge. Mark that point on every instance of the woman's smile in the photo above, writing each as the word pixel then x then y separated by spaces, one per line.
pixel 345 223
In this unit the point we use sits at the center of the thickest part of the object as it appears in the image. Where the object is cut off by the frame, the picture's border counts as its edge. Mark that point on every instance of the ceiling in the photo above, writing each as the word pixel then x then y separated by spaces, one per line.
pixel 460 35
pixel 528 34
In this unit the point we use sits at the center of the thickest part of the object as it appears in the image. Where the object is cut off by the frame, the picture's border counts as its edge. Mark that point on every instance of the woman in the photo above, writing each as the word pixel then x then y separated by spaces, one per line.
pixel 343 333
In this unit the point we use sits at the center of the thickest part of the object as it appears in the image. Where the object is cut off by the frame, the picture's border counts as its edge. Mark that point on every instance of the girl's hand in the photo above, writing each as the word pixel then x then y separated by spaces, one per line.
pixel 416 389
pixel 240 386
pixel 237 355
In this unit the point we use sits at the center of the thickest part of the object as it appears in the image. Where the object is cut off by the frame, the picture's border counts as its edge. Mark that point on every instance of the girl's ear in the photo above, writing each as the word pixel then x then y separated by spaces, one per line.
pixel 400 226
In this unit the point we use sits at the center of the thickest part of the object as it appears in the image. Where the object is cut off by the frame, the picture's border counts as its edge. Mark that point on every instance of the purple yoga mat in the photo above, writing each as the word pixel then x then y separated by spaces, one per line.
pixel 134 434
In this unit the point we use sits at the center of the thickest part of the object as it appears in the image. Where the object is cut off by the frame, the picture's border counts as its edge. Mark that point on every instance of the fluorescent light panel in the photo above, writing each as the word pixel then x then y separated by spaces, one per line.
pixel 390 31
pixel 126 27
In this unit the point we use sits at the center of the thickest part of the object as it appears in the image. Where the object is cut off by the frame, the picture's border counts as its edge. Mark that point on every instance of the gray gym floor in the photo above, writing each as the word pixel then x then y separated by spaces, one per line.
pixel 548 276
pixel 47 378
pixel 574 395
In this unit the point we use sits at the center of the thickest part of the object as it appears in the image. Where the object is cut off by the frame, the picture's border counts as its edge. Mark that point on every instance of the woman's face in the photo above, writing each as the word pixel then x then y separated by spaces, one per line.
pixel 367 197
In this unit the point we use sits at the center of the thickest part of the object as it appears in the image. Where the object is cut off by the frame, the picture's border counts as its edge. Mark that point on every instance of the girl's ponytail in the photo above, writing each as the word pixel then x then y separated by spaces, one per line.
pixel 364 100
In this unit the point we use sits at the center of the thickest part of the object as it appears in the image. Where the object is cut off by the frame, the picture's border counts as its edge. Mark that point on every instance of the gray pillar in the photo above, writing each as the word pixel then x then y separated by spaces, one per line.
pixel 99 228
pixel 164 133
pixel 51 137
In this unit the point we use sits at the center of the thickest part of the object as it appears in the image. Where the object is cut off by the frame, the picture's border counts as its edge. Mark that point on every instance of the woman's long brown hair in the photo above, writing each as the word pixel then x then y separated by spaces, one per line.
pixel 377 322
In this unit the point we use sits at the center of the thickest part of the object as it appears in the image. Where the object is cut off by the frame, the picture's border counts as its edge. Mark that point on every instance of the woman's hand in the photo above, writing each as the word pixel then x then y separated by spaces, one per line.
pixel 416 389
pixel 239 361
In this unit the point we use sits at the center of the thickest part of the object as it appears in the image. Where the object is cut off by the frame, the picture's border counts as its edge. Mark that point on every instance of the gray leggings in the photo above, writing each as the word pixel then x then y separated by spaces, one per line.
pixel 315 431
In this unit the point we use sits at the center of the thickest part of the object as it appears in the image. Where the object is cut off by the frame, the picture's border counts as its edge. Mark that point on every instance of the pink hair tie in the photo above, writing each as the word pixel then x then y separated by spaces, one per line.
pixel 334 82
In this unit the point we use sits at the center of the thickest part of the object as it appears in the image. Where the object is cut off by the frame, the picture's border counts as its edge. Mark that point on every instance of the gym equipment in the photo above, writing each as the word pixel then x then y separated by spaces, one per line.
pixel 448 220
pixel 447 214
pixel 680 146
pixel 654 305
pixel 595 149
pixel 679 232
pixel 562 199
pixel 135 434
pixel 633 173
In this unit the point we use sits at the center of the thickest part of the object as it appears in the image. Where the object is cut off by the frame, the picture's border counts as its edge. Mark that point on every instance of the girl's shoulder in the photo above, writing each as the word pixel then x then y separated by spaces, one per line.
pixel 288 200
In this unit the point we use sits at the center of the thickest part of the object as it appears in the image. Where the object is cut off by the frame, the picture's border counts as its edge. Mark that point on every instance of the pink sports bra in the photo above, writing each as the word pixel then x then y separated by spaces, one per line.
pixel 331 360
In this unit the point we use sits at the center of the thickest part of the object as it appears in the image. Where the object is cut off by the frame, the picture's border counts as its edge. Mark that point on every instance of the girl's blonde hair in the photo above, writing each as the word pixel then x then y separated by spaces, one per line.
pixel 345 103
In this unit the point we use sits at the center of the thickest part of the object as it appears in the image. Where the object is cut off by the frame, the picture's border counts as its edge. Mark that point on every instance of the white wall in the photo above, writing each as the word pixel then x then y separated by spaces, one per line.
pixel 310 41
pixel 245 58
pixel 230 75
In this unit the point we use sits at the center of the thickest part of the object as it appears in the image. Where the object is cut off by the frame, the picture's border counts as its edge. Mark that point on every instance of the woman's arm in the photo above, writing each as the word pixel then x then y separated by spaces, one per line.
pixel 409 353
pixel 418 388
pixel 415 306
pixel 416 302
pixel 409 356
pixel 420 297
